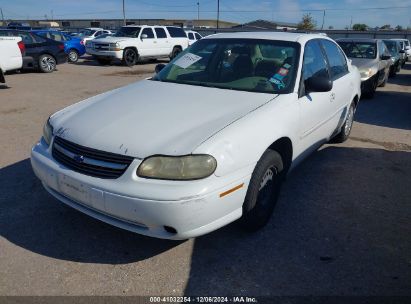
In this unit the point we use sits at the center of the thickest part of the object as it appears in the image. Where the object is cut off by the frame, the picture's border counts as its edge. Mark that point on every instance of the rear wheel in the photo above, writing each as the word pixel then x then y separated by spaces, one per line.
pixel 130 57
pixel 47 63
pixel 346 127
pixel 73 55
pixel 263 191
pixel 175 52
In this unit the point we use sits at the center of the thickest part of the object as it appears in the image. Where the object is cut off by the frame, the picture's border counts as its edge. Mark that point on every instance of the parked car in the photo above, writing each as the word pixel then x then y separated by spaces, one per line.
pixel 41 53
pixel 11 55
pixel 133 43
pixel 92 33
pixel 394 48
pixel 207 140
pixel 373 60
pixel 403 50
pixel 408 49
pixel 73 46
pixel 193 37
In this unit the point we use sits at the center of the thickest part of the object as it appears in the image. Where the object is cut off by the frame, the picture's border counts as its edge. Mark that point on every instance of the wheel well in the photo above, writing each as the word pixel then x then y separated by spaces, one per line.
pixel 355 100
pixel 285 148
pixel 178 47
pixel 131 47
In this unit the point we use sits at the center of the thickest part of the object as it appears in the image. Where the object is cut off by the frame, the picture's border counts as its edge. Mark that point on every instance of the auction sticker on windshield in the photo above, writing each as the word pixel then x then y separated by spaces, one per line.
pixel 186 60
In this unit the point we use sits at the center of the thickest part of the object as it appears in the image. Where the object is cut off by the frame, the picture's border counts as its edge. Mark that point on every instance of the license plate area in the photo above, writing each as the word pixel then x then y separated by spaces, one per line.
pixel 74 189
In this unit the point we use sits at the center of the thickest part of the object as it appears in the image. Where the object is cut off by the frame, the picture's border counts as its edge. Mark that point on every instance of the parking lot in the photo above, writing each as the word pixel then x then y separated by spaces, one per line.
pixel 342 225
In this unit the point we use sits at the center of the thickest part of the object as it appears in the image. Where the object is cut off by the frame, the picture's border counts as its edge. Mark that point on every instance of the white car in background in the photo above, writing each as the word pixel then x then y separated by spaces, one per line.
pixel 405 46
pixel 208 140
pixel 133 43
pixel 11 55
pixel 193 37
pixel 92 33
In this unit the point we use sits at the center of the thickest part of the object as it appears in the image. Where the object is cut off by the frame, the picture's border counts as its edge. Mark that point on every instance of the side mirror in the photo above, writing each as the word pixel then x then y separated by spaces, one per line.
pixel 143 36
pixel 159 67
pixel 318 84
pixel 385 57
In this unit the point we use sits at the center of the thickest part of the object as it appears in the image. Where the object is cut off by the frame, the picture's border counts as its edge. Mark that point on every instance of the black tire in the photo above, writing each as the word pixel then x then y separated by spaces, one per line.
pixel 346 127
pixel 73 56
pixel 176 50
pixel 393 71
pixel 47 63
pixel 130 57
pixel 384 82
pixel 369 92
pixel 103 61
pixel 263 191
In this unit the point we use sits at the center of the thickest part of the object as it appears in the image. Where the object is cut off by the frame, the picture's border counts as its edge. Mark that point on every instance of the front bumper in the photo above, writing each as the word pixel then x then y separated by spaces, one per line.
pixel 193 208
pixel 105 54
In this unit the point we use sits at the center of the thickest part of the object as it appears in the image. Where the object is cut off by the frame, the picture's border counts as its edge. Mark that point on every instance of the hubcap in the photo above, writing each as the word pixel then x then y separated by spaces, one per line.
pixel 73 56
pixel 266 191
pixel 349 122
pixel 48 63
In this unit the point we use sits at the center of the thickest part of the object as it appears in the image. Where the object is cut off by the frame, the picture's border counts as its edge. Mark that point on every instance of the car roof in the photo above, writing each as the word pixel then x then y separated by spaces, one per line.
pixel 357 40
pixel 285 36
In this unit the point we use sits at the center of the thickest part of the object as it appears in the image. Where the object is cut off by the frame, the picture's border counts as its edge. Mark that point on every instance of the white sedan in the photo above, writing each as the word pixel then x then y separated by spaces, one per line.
pixel 206 141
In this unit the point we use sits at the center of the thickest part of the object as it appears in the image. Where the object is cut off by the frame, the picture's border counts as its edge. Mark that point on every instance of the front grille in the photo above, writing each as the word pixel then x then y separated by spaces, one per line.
pixel 89 161
pixel 101 47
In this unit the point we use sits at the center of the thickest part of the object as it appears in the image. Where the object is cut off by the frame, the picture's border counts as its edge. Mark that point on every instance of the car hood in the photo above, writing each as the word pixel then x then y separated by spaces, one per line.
pixel 152 117
pixel 362 63
pixel 110 39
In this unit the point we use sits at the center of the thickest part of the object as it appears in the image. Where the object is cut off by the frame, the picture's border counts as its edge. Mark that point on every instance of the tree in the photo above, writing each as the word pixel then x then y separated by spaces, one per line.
pixel 385 27
pixel 307 23
pixel 330 27
pixel 360 27
pixel 399 28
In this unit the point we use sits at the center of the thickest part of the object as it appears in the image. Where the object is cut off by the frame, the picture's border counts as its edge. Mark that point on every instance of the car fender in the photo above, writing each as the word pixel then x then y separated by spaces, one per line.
pixel 242 143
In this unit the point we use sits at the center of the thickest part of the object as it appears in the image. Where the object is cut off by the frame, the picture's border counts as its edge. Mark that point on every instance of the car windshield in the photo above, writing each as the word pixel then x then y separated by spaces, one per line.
pixel 254 65
pixel 392 46
pixel 128 32
pixel 87 32
pixel 359 49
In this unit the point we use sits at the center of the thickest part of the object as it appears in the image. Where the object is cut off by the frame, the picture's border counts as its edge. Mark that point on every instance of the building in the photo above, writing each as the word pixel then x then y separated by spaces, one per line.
pixel 267 25
pixel 116 23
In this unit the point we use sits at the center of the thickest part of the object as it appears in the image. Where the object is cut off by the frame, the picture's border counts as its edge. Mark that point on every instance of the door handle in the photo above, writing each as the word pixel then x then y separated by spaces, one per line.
pixel 332 97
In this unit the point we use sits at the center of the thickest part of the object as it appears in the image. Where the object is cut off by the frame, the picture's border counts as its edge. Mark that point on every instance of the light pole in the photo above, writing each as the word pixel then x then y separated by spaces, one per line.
pixel 124 13
pixel 218 13
pixel 198 10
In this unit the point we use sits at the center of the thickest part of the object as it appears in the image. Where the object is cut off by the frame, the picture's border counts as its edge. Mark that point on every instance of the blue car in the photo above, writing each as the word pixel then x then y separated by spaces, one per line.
pixel 73 46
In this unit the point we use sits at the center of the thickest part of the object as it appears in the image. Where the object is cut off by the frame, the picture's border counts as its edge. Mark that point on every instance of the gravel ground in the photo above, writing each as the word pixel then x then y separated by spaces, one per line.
pixel 342 225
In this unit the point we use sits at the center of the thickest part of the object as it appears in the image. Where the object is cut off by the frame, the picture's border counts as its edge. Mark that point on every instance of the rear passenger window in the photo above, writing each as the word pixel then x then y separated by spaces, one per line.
pixel 160 32
pixel 198 37
pixel 314 63
pixel 190 36
pixel 176 32
pixel 336 59
pixel 149 32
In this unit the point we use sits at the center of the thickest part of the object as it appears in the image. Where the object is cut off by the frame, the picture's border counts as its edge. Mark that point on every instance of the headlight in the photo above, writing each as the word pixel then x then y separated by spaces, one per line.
pixel 177 167
pixel 366 73
pixel 47 132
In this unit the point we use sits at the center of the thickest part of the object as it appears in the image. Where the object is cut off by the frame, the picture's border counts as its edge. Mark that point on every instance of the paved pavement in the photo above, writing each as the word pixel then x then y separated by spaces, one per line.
pixel 342 225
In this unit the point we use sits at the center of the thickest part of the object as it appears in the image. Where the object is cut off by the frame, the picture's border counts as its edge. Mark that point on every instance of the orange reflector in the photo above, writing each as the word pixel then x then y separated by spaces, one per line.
pixel 231 190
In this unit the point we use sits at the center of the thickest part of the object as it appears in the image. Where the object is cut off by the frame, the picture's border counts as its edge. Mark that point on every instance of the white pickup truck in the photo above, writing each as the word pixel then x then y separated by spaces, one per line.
pixel 11 50
pixel 133 43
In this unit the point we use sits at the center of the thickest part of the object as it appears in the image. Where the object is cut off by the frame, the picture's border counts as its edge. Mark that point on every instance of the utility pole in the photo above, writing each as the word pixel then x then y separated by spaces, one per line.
pixel 351 24
pixel 198 10
pixel 322 25
pixel 2 16
pixel 52 15
pixel 218 13
pixel 124 13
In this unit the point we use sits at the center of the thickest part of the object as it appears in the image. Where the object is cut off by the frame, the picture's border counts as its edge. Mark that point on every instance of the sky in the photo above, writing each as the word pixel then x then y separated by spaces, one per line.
pixel 338 14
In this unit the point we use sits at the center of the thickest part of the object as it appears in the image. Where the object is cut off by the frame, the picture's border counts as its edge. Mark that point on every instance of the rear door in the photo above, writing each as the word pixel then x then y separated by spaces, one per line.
pixel 162 41
pixel 315 107
pixel 343 84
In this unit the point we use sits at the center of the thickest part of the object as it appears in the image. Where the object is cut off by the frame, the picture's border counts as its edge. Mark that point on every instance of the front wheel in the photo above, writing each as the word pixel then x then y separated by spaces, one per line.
pixel 130 57
pixel 263 191
pixel 47 63
pixel 175 52
pixel 346 127
pixel 73 56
